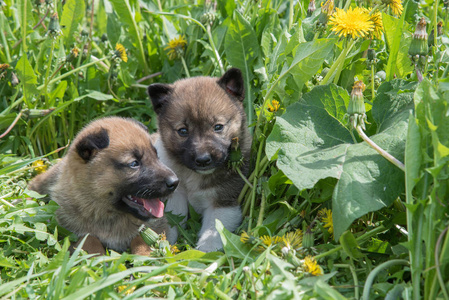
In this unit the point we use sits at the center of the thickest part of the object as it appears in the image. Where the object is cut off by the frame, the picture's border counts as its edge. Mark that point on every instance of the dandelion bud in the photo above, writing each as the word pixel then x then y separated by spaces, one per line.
pixel 356 106
pixel 419 45
pixel 208 18
pixel 84 33
pixel 37 113
pixel 148 235
pixel 235 157
pixel 104 38
pixel 53 28
pixel 72 55
pixel 371 54
pixel 311 8
pixel 326 11
pixel 308 239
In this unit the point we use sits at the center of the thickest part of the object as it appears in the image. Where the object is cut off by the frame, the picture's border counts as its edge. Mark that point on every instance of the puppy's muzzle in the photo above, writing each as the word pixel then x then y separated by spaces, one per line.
pixel 203 160
pixel 171 183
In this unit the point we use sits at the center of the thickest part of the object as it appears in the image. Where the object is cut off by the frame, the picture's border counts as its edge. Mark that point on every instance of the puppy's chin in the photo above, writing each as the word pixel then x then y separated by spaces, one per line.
pixel 205 172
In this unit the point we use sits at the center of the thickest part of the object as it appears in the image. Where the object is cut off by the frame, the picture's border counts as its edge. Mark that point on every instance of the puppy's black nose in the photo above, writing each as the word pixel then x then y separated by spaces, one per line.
pixel 172 182
pixel 203 160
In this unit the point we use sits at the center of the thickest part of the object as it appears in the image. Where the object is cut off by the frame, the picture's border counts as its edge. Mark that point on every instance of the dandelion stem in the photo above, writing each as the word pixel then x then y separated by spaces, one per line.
pixel 244 178
pixel 212 44
pixel 342 62
pixel 437 264
pixel 263 202
pixel 253 191
pixel 264 163
pixel 185 67
pixel 50 59
pixel 12 125
pixel 379 150
pixel 359 240
pixel 290 15
pixel 74 71
pixel 336 64
pixel 2 34
pixel 372 82
pixel 370 279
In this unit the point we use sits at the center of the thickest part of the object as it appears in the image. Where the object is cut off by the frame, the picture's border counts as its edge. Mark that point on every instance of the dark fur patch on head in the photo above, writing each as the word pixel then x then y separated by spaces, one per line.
pixel 159 94
pixel 232 83
pixel 88 146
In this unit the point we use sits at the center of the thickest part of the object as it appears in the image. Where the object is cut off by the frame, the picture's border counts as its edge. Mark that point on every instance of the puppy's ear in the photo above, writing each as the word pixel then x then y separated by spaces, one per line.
pixel 89 145
pixel 159 95
pixel 232 83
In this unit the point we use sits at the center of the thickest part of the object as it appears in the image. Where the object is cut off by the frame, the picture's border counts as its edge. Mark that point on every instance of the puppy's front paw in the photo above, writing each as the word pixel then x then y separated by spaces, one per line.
pixel 139 247
pixel 209 241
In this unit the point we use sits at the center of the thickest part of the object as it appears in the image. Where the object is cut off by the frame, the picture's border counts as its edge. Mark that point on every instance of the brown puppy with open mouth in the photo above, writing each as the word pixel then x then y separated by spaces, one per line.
pixel 108 185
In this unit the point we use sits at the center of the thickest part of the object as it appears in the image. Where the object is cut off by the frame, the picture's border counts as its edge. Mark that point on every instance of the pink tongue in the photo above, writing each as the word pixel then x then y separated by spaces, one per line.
pixel 154 206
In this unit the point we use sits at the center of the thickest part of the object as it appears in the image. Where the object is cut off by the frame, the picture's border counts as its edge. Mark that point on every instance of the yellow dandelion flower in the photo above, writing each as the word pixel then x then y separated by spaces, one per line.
pixel 269 241
pixel 395 5
pixel 120 52
pixel 174 249
pixel 75 51
pixel 128 292
pixel 354 22
pixel 244 237
pixel 312 267
pixel 39 166
pixel 376 18
pixel 293 240
pixel 327 7
pixel 274 106
pixel 176 47
pixel 327 219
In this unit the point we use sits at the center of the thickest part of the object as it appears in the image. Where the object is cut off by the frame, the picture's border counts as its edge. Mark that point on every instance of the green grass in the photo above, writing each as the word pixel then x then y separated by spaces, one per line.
pixel 389 226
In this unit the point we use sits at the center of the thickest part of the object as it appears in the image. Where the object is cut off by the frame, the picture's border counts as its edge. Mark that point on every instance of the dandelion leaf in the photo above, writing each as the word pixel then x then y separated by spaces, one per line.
pixel 312 143
pixel 72 16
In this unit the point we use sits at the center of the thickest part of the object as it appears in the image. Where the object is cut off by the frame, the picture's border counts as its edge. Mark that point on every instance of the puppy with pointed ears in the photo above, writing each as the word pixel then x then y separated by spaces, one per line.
pixel 198 118
pixel 108 185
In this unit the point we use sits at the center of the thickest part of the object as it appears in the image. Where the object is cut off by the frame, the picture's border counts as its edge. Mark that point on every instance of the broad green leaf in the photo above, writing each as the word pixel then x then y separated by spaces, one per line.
pixel 227 8
pixel 27 78
pixel 413 158
pixel 306 62
pixel 242 47
pixel 126 16
pixel 232 245
pixel 310 141
pixel 72 17
pixel 58 92
pixel 112 279
pixel 324 291
pixel 41 231
pixel 96 95
pixel 312 144
pixel 350 246
pixel 393 32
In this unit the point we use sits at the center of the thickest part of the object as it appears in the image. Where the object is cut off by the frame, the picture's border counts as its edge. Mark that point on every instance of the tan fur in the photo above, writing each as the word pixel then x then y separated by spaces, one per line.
pixel 88 192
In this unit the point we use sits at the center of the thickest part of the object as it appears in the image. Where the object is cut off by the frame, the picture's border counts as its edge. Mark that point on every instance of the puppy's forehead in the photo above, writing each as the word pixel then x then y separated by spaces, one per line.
pixel 200 98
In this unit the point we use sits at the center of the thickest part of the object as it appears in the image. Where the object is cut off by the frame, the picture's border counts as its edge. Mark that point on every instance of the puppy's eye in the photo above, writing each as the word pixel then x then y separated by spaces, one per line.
pixel 218 128
pixel 183 132
pixel 135 164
